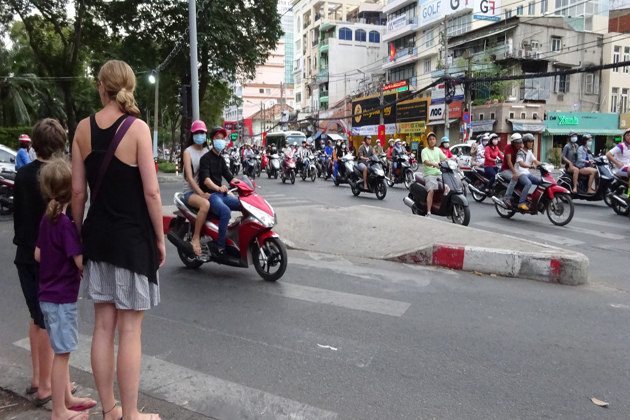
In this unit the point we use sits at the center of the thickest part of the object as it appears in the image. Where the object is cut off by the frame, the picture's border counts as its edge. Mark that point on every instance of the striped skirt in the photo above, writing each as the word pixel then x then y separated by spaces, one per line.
pixel 106 283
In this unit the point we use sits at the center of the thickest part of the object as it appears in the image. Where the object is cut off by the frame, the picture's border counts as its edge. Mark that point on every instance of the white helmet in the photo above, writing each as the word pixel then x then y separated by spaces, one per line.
pixel 517 138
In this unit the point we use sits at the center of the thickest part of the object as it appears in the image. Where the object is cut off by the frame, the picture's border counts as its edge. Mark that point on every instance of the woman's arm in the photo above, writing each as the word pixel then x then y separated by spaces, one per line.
pixel 38 254
pixel 150 184
pixel 79 182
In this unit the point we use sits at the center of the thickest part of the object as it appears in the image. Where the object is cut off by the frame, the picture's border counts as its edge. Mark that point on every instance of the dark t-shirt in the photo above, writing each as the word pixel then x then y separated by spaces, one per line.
pixel 29 208
pixel 509 150
pixel 214 167
pixel 59 278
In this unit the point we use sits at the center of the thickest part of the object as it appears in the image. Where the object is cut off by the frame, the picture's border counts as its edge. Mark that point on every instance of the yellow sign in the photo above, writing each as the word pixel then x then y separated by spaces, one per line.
pixel 357 111
pixel 411 127
pixel 624 121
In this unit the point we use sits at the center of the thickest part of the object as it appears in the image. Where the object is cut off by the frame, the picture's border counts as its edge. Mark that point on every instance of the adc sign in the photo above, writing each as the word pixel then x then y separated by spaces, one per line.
pixel 436 112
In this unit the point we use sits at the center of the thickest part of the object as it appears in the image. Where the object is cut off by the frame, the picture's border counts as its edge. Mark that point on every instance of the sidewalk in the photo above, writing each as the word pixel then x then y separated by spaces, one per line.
pixel 362 231
pixel 164 178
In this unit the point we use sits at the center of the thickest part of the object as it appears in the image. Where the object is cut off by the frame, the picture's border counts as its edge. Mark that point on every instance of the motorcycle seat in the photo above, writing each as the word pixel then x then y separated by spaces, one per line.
pixel 478 169
pixel 419 178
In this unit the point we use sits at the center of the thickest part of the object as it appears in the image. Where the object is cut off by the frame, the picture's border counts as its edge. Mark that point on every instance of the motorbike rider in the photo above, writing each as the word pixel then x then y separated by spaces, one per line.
pixel 569 157
pixel 444 147
pixel 508 169
pixel 396 153
pixel 490 163
pixel 22 157
pixel 337 154
pixel 525 159
pixel 378 149
pixel 365 153
pixel 196 148
pixel 390 149
pixel 351 148
pixel 584 161
pixel 248 153
pixel 431 157
pixel 620 157
pixel 212 168
pixel 481 149
pixel 328 150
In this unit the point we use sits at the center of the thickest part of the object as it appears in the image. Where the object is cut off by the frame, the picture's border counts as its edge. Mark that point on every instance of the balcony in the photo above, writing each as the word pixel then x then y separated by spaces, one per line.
pixel 399 28
pixel 393 5
pixel 307 23
pixel 405 56
pixel 315 42
pixel 322 76
pixel 323 44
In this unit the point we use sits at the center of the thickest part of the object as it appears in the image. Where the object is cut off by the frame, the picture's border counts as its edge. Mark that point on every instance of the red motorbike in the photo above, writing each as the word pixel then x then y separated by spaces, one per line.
pixel 548 196
pixel 6 192
pixel 287 171
pixel 249 239
pixel 265 161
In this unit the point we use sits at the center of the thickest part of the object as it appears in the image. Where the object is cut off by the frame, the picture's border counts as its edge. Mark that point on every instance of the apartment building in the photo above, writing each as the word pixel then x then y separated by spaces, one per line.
pixel 615 82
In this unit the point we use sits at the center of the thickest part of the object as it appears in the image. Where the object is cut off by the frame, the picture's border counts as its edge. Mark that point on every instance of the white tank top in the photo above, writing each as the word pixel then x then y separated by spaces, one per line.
pixel 195 157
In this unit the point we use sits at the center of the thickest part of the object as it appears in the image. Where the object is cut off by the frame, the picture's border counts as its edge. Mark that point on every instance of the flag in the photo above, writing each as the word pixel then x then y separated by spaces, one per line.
pixel 392 52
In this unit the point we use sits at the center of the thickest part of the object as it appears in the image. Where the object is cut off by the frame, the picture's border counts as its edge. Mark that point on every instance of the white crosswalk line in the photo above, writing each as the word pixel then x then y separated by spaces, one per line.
pixel 538 236
pixel 597 233
pixel 201 393
pixel 595 222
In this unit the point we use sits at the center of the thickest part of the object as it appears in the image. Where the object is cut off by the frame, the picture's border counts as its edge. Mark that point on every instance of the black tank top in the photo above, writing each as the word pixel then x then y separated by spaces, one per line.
pixel 118 229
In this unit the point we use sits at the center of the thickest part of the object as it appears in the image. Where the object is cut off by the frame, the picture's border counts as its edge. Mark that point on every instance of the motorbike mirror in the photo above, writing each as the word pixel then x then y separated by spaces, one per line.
pixel 12 160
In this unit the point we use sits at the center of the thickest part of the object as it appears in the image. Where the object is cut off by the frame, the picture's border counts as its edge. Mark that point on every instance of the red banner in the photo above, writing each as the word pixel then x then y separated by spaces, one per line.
pixel 392 52
pixel 381 134
pixel 264 138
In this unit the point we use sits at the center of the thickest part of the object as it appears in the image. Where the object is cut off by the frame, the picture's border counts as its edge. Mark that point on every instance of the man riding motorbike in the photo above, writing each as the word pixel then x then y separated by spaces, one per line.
pixel 508 170
pixel 524 160
pixel 431 157
pixel 620 157
pixel 212 168
pixel 365 153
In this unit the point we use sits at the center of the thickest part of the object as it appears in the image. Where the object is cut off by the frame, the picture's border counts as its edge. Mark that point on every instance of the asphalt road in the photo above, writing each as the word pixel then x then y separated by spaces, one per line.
pixel 347 338
pixel 595 230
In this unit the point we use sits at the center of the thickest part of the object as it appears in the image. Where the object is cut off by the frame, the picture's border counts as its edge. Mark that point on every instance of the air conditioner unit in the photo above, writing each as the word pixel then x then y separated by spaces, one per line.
pixel 525 44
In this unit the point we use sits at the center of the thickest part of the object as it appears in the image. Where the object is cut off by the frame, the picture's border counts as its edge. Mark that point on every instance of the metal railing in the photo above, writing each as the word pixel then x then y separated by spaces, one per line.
pixel 307 23
pixel 315 42
pixel 402 53
pixel 324 41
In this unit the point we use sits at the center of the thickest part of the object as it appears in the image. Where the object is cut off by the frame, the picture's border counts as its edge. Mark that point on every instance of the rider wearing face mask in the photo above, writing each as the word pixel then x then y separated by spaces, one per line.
pixel 490 163
pixel 444 147
pixel 584 161
pixel 481 149
pixel 193 195
pixel 570 158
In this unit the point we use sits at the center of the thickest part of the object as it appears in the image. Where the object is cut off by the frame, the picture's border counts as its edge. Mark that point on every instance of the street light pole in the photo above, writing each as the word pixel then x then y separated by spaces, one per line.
pixel 154 79
pixel 194 70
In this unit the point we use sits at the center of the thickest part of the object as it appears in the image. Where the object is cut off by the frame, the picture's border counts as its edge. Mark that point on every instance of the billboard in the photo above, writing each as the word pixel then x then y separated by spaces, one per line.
pixel 434 11
pixel 370 113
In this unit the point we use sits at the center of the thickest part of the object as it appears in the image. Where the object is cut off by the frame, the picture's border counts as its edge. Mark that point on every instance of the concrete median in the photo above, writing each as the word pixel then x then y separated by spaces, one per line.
pixel 373 232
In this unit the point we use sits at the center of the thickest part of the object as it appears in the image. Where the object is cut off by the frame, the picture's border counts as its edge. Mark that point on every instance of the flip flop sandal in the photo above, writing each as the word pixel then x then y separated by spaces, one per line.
pixel 83 407
pixel 40 402
pixel 31 390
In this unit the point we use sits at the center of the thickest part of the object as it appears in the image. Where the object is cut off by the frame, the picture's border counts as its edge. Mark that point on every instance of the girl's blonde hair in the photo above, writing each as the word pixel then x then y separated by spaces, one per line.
pixel 55 182
pixel 119 83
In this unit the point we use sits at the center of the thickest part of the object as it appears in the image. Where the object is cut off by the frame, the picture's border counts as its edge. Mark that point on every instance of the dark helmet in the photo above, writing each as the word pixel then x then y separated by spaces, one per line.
pixel 217 130
pixel 528 137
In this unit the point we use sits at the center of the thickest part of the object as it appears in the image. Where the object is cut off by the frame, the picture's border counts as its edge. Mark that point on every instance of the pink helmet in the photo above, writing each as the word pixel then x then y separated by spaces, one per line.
pixel 24 138
pixel 198 126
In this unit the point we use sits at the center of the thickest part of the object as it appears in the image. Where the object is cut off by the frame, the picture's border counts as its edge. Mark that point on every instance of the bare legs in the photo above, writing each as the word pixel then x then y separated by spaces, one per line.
pixel 204 207
pixel 106 317
pixel 32 337
pixel 429 200
pixel 591 172
pixel 576 174
pixel 40 345
pixel 365 178
pixel 62 397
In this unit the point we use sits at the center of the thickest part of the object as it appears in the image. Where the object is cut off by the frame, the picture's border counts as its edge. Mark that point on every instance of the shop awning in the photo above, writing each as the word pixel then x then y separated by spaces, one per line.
pixel 482 125
pixel 535 126
pixel 317 135
pixel 334 137
pixel 591 131
pixel 441 122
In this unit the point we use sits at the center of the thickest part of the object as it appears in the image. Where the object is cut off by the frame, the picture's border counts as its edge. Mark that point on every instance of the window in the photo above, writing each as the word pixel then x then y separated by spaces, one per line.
pixel 345 33
pixel 409 11
pixel 298 97
pixel 480 117
pixel 375 37
pixel 616 54
pixel 359 35
pixel 556 43
pixel 626 57
pixel 427 65
pixel 299 24
pixel 508 13
pixel 589 83
pixel 402 73
pixel 298 45
pixel 623 107
pixel 543 7
pixel 531 8
pixel 459 25
pixel 519 10
pixel 267 91
pixel 427 38
pixel 6 157
pixel 523 116
pixel 535 116
pixel 404 42
pixel 511 115
pixel 291 92
pixel 492 115
pixel 614 97
pixel 561 84
pixel 535 45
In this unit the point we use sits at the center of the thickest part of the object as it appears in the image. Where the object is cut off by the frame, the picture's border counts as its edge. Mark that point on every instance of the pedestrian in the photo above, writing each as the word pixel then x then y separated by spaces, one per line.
pixel 22 157
pixel 431 157
pixel 58 250
pixel 49 138
pixel 123 237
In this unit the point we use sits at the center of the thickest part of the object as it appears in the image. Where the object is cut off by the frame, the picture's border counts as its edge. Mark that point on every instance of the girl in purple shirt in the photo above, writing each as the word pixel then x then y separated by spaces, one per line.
pixel 59 253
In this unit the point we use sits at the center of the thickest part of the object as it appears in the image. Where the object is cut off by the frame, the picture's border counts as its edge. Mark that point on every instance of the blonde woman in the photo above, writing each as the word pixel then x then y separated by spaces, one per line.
pixel 123 238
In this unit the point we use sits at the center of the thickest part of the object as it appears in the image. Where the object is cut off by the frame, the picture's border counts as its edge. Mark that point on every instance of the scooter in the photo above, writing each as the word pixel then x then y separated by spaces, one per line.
pixel 329 167
pixel 6 192
pixel 273 167
pixel 257 165
pixel 548 196
pixel 618 195
pixel 265 162
pixel 308 169
pixel 249 167
pixel 605 179
pixel 477 181
pixel 235 164
pixel 375 179
pixel 448 200
pixel 385 165
pixel 288 172
pixel 413 162
pixel 250 239
pixel 403 173
pixel 345 166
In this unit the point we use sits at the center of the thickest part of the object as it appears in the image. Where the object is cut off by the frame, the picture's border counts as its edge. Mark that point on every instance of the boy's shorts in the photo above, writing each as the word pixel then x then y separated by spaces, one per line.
pixel 62 326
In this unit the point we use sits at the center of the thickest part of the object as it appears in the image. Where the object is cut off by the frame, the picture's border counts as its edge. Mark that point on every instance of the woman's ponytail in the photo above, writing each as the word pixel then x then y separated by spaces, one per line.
pixel 119 82
pixel 127 103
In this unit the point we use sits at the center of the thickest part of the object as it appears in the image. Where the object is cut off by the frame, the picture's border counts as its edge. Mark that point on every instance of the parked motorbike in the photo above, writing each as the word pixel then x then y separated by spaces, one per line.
pixel 546 197
pixel 250 239
pixel 448 200
pixel 606 178
pixel 308 169
pixel 375 179
pixel 273 167
pixel 403 173
pixel 288 172
pixel 345 166
pixel 6 192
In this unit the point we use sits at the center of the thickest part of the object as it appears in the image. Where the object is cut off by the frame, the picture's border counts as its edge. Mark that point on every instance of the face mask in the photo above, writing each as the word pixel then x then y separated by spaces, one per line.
pixel 588 143
pixel 199 138
pixel 446 145
pixel 573 139
pixel 485 142
pixel 218 144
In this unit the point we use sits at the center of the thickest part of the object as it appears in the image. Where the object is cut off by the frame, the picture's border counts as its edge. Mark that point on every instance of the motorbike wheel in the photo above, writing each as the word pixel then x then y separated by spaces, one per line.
pixel 303 174
pixel 478 197
pixel 390 182
pixel 619 208
pixel 313 177
pixel 460 215
pixel 4 210
pixel 408 179
pixel 381 190
pixel 185 233
pixel 608 197
pixel 356 190
pixel 292 178
pixel 560 209
pixel 505 213
pixel 414 166
pixel 269 175
pixel 275 175
pixel 337 183
pixel 284 179
pixel 276 258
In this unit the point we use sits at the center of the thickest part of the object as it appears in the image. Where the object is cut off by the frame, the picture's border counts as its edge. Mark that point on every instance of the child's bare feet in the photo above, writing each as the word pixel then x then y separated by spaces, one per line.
pixel 71 415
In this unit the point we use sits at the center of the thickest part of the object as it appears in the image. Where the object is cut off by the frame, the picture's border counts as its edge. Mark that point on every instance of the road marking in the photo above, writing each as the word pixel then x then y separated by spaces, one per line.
pixel 561 240
pixel 614 247
pixel 598 233
pixel 341 299
pixel 596 222
pixel 205 394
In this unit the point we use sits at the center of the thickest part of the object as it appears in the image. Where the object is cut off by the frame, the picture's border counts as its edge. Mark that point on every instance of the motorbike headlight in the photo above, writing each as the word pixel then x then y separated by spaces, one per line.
pixel 452 165
pixel 265 218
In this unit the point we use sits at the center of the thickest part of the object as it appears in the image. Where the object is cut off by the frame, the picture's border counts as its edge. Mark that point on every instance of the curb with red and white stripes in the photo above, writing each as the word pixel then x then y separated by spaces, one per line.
pixel 568 268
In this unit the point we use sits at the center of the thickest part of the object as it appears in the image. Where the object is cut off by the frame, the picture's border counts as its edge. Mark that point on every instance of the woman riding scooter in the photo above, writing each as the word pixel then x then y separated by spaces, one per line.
pixel 584 158
pixel 490 163
pixel 445 143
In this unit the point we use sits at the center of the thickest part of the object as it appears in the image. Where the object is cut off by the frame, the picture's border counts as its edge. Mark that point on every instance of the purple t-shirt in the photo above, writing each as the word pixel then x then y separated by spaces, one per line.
pixel 59 278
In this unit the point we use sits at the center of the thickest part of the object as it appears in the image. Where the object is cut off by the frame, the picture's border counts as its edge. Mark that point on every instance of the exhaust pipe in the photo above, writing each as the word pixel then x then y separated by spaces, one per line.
pixel 620 200
pixel 409 202
pixel 475 189
pixel 185 247
pixel 500 202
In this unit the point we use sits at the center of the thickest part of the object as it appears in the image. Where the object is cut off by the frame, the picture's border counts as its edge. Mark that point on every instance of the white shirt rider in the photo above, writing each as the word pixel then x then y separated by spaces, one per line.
pixel 621 153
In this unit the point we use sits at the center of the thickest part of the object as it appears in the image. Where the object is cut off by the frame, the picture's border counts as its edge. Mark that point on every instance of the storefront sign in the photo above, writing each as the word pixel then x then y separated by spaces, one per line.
pixel 487 10
pixel 481 126
pixel 436 112
pixel 397 23
pixel 432 11
pixel 411 127
pixel 437 93
pixel 594 123
pixel 412 111
pixel 396 87
pixel 372 130
pixel 366 110
pixel 624 121
pixel 564 120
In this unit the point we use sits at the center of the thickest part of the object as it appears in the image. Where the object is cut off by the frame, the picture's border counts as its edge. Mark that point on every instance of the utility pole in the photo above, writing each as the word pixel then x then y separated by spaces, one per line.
pixel 194 67
pixel 468 99
pixel 446 116
pixel 155 120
